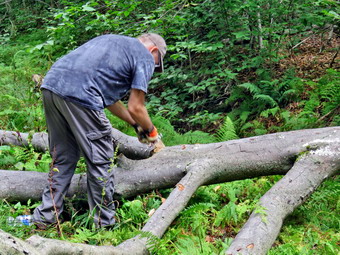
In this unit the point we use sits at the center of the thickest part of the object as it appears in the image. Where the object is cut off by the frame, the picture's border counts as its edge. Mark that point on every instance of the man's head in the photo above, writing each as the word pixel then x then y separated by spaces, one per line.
pixel 157 47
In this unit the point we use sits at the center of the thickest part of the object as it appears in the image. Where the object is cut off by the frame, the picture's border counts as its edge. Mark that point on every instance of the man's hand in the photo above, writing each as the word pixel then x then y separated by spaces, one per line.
pixel 146 136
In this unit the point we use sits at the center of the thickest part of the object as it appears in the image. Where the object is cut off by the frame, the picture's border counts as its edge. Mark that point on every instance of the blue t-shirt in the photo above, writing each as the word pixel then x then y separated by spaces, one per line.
pixel 101 71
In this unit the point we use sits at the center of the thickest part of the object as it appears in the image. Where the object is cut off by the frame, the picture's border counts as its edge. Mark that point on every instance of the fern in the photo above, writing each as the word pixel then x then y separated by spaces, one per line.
pixel 244 116
pixel 266 99
pixel 330 94
pixel 290 93
pixel 246 126
pixel 197 208
pixel 171 137
pixel 226 215
pixel 312 103
pixel 271 111
pixel 194 245
pixel 252 88
pixel 197 137
pixel 227 131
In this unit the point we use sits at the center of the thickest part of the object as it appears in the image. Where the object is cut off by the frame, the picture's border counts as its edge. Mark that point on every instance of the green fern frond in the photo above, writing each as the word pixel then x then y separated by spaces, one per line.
pixel 330 94
pixel 246 126
pixel 252 88
pixel 227 131
pixel 271 111
pixel 266 99
pixel 171 137
pixel 244 116
pixel 308 114
pixel 226 215
pixel 197 208
pixel 236 94
pixel 197 137
pixel 312 103
pixel 195 245
pixel 288 94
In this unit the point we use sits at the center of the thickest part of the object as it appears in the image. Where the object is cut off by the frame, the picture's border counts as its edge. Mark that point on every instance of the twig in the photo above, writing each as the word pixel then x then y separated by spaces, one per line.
pixel 334 57
pixel 297 45
pixel 326 115
pixel 50 180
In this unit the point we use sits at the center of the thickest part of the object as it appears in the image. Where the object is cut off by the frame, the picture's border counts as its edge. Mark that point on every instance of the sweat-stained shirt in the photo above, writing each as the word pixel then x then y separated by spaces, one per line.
pixel 101 71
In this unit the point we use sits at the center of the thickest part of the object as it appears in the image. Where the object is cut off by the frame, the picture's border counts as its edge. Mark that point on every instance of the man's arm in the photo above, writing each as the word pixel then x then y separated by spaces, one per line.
pixel 121 112
pixel 137 116
pixel 137 109
pixel 136 112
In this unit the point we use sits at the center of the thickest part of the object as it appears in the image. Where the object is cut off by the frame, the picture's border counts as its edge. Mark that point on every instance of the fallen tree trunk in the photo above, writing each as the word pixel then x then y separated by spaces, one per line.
pixel 197 165
pixel 233 160
pixel 127 145
pixel 263 226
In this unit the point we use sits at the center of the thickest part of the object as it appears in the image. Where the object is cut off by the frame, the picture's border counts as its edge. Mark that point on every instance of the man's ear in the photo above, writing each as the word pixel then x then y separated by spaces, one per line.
pixel 153 49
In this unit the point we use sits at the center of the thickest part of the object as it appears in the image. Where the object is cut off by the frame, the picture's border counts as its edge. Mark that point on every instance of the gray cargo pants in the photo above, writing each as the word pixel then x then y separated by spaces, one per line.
pixel 71 129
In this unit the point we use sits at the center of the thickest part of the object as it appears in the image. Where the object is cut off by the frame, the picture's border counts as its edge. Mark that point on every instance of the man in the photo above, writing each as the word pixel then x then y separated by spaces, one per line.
pixel 75 92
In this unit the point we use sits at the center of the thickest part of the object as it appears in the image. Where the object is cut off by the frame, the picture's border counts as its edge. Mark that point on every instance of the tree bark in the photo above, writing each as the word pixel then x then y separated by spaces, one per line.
pixel 264 224
pixel 232 160
pixel 191 166
pixel 127 145
pixel 15 246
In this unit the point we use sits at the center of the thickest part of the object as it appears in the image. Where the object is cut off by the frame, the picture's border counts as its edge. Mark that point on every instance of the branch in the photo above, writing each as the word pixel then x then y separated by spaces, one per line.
pixel 58 247
pixel 167 212
pixel 263 226
pixel 12 245
pixel 127 145
pixel 333 58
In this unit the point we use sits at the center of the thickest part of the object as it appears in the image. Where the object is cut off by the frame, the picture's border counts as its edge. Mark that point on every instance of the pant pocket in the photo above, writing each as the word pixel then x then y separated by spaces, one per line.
pixel 101 146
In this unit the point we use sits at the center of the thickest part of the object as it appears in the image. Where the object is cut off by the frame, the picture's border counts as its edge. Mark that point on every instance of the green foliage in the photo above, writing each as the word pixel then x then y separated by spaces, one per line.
pixel 195 245
pixel 204 63
pixel 323 101
pixel 226 131
pixel 21 16
pixel 18 158
pixel 171 137
pixel 14 210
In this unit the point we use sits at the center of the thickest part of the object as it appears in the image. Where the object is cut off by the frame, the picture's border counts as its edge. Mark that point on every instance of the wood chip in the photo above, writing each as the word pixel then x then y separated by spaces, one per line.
pixel 159 145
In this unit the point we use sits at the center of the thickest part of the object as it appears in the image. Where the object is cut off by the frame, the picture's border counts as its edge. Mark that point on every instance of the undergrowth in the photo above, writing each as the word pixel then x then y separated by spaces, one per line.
pixel 212 218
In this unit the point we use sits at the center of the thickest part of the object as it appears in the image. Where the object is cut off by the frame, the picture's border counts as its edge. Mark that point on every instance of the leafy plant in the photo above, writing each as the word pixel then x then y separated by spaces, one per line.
pixel 226 131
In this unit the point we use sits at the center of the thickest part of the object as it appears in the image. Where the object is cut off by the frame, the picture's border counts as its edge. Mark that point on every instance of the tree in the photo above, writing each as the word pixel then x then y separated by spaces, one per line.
pixel 307 157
